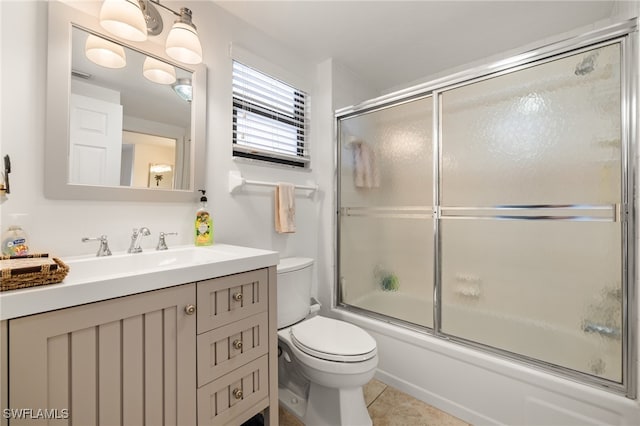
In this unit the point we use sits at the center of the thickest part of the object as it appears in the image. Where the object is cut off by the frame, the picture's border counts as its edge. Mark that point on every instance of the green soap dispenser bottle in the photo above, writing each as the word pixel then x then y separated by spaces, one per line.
pixel 204 223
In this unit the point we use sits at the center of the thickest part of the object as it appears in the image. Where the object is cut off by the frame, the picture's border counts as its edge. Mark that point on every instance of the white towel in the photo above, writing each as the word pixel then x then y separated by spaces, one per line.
pixel 285 208
pixel 366 174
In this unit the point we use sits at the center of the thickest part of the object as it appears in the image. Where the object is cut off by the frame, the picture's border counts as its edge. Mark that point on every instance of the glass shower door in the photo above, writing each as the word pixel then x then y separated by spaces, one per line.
pixel 385 211
pixel 530 197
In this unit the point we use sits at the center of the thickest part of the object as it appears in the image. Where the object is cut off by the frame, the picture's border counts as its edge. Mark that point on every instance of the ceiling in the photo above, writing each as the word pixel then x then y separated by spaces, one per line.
pixel 389 44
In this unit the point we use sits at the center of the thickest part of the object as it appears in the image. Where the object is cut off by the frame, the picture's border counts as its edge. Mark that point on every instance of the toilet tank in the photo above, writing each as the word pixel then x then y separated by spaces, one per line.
pixel 294 289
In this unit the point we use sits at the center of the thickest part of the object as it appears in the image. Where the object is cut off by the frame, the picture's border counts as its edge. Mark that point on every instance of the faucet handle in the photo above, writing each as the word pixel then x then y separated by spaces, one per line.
pixel 162 244
pixel 103 250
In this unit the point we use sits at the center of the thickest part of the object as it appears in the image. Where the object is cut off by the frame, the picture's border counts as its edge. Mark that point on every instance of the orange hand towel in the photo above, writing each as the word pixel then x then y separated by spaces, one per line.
pixel 285 208
pixel 366 173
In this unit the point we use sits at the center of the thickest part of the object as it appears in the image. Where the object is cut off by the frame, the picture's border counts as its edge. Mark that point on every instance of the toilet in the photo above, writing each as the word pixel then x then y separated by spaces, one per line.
pixel 322 362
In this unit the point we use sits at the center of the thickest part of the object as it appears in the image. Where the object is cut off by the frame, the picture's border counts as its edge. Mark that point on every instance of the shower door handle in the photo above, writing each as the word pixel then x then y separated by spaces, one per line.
pixel 603 330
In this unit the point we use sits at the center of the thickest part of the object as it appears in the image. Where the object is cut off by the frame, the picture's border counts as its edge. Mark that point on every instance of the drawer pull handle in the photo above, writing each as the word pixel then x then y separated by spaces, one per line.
pixel 190 309
pixel 237 393
pixel 237 296
pixel 237 344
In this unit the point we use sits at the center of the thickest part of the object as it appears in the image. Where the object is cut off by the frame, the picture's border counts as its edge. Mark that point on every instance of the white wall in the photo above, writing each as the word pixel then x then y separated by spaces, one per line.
pixel 56 226
pixel 93 91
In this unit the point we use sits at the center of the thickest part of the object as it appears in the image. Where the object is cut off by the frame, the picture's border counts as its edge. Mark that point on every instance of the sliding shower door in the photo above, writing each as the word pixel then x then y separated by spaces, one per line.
pixel 386 215
pixel 495 209
pixel 530 196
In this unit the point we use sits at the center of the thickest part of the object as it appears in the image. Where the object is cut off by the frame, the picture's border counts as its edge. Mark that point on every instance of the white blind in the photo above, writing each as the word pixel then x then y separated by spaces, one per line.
pixel 270 118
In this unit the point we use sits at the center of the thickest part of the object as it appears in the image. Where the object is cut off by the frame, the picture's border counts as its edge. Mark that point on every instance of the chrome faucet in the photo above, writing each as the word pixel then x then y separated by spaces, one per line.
pixel 103 250
pixel 162 244
pixel 136 237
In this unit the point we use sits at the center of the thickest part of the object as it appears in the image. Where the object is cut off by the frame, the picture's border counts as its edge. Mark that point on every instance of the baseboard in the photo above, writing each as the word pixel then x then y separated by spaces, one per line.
pixel 435 400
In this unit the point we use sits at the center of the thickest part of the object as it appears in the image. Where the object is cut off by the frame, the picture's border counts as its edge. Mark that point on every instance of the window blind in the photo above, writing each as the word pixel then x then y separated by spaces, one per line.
pixel 270 118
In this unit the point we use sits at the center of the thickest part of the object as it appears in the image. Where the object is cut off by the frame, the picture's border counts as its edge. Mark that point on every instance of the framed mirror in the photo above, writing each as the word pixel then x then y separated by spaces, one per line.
pixel 110 129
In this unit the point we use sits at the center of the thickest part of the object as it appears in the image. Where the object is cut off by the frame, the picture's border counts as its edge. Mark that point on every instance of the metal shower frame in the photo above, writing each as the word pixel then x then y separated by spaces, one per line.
pixel 626 34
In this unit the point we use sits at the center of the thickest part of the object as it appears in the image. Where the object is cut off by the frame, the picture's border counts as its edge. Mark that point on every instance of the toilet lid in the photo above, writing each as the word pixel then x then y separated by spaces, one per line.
pixel 333 340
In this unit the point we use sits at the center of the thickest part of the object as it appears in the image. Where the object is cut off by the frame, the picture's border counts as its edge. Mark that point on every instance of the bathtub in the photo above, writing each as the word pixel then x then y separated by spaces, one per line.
pixel 484 388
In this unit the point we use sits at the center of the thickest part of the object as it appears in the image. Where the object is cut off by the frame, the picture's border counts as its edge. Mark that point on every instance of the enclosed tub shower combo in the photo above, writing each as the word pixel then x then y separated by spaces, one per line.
pixel 494 208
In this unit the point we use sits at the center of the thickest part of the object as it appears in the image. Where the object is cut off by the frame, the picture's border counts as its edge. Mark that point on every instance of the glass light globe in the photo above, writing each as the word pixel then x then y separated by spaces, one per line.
pixel 183 44
pixel 124 19
pixel 104 52
pixel 158 71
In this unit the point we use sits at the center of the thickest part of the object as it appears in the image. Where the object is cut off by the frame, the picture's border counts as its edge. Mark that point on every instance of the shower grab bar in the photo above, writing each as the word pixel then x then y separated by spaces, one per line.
pixel 237 181
pixel 604 330
pixel 567 212
pixel 539 207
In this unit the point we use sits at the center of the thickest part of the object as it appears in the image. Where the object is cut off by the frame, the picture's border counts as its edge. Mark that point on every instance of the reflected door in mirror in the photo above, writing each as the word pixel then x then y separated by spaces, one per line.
pixel 95 146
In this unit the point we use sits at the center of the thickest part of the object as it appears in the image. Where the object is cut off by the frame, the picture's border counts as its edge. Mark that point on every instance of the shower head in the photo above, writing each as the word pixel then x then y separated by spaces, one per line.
pixel 587 64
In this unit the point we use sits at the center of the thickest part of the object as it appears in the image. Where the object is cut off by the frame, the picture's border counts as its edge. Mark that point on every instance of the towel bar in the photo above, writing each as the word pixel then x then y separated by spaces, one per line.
pixel 237 181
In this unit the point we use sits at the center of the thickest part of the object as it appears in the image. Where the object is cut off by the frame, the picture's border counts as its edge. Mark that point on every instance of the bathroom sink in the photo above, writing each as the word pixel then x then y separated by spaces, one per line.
pixel 83 269
pixel 91 279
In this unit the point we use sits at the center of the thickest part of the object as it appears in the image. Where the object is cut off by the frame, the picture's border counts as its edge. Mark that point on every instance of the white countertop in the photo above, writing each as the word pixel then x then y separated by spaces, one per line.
pixel 88 282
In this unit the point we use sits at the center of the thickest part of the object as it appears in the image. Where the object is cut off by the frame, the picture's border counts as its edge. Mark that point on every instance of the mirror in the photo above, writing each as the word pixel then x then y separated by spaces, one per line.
pixel 155 120
pixel 113 134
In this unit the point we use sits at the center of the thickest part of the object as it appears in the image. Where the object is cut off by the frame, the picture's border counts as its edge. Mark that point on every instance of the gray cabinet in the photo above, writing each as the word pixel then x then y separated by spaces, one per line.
pixel 126 361
pixel 202 353
pixel 233 346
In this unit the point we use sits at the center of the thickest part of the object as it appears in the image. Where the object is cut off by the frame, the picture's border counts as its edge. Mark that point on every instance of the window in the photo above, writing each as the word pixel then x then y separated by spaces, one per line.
pixel 269 118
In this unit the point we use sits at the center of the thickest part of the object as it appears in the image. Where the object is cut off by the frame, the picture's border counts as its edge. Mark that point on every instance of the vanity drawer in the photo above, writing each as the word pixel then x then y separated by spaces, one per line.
pixel 244 392
pixel 229 347
pixel 228 299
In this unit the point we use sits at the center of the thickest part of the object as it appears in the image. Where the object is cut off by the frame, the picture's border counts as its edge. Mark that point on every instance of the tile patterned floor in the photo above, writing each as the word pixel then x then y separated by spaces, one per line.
pixel 389 407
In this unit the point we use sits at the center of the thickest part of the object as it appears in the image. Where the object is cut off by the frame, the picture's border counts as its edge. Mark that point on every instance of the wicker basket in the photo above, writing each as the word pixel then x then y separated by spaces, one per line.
pixel 16 277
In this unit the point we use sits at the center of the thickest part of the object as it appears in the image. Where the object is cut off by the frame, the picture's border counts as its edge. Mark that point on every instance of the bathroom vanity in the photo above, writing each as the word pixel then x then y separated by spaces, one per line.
pixel 182 337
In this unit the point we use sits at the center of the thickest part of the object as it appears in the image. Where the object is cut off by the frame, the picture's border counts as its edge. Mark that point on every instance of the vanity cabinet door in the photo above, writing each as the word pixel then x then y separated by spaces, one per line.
pixel 126 361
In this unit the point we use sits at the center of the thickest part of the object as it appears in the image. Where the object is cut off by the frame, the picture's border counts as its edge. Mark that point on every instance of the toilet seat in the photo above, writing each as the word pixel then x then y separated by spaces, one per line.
pixel 333 340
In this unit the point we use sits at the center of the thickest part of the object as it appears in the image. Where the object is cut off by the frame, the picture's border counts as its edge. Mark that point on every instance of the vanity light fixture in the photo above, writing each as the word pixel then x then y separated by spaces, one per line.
pixel 123 17
pixel 183 88
pixel 104 52
pixel 183 43
pixel 158 71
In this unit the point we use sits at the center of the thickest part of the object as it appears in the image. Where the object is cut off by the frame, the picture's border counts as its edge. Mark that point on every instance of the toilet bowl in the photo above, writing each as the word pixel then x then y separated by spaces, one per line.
pixel 323 362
